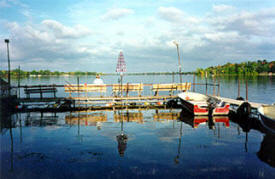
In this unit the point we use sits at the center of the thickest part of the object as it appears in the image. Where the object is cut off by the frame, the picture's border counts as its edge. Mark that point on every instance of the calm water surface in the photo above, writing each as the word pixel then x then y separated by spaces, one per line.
pixel 137 143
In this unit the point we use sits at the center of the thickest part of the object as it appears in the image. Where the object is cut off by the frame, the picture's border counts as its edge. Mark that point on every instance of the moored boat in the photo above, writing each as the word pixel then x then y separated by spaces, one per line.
pixel 200 104
pixel 267 117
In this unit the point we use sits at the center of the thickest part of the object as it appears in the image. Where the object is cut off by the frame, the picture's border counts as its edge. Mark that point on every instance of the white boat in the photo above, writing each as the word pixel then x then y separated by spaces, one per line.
pixel 200 104
pixel 267 115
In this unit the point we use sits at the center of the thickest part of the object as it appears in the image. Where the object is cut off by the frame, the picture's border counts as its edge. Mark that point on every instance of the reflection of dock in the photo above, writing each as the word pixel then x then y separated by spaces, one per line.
pixel 86 119
pixel 129 117
pixel 166 116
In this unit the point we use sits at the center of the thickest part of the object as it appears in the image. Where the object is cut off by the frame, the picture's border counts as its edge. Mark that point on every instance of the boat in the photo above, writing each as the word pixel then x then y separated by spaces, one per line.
pixel 200 104
pixel 267 117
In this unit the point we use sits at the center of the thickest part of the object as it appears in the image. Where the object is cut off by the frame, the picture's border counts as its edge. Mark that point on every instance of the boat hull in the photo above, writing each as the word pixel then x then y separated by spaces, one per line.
pixel 197 104
pixel 268 122
pixel 223 110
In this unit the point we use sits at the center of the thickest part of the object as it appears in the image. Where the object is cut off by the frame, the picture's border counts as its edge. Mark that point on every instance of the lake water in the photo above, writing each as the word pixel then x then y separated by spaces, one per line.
pixel 137 143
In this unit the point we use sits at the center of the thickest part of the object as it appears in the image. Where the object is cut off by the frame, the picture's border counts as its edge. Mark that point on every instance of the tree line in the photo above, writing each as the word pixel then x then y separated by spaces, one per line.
pixel 23 73
pixel 16 72
pixel 253 68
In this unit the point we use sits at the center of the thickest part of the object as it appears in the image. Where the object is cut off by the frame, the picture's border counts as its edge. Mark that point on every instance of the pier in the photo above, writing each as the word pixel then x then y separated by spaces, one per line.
pixel 112 96
pixel 239 102
pixel 103 96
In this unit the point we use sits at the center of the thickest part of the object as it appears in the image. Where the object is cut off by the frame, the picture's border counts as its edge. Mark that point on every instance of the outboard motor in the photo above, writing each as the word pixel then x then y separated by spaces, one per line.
pixel 244 110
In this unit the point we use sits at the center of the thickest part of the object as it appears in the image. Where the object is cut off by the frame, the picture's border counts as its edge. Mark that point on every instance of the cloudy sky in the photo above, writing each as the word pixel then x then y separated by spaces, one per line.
pixel 87 35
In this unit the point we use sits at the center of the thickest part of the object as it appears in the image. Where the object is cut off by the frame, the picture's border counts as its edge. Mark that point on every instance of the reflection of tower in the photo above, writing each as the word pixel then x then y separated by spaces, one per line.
pixel 121 139
pixel 122 143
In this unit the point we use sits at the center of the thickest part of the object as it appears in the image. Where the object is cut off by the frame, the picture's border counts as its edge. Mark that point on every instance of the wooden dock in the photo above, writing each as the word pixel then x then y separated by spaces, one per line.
pixel 109 95
pixel 239 102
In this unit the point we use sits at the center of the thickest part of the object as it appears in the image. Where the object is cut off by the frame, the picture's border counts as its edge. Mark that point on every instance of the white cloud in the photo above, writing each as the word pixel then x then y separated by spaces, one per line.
pixel 61 31
pixel 170 14
pixel 115 14
pixel 176 16
pixel 259 23
pixel 206 38
pixel 222 8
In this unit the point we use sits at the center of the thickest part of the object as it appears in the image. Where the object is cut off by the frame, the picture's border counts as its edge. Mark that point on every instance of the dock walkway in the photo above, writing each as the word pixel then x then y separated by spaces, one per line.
pixel 239 102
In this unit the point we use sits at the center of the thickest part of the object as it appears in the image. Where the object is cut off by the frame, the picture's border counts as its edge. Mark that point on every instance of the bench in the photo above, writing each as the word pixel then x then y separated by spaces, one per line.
pixel 127 88
pixel 171 87
pixel 72 88
pixel 40 90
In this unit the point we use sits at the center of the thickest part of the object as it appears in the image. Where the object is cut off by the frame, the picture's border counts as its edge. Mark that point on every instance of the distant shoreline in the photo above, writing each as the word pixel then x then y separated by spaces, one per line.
pixel 137 74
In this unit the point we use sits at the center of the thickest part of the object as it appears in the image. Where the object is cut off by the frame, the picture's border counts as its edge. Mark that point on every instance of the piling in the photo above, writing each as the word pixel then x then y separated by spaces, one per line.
pixel 206 83
pixel 246 89
pixel 238 87
pixel 218 87
pixel 194 80
pixel 214 87
pixel 19 81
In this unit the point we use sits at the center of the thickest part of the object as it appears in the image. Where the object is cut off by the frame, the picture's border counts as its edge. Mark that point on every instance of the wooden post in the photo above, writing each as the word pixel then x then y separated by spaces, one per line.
pixel 194 80
pixel 238 87
pixel 173 77
pixel 78 89
pixel 41 93
pixel 54 90
pixel 246 87
pixel 18 81
pixel 214 87
pixel 218 87
pixel 173 80
pixel 139 92
pixel 26 92
pixel 127 90
pixel 206 83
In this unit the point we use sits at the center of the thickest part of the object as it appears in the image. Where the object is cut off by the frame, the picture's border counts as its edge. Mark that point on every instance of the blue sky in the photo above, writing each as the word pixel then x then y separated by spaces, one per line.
pixel 71 35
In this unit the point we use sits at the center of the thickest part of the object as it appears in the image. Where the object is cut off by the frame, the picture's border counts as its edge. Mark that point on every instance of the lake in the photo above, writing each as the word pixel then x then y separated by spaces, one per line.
pixel 138 143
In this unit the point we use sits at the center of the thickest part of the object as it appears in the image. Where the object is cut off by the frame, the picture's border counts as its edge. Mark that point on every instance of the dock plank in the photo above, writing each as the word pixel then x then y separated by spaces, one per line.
pixel 238 102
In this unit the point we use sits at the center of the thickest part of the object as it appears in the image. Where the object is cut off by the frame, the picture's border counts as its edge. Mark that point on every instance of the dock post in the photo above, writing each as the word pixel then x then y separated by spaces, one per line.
pixel 206 83
pixel 218 87
pixel 194 80
pixel 54 93
pixel 18 81
pixel 78 88
pixel 173 77
pixel 214 87
pixel 238 87
pixel 41 96
pixel 246 87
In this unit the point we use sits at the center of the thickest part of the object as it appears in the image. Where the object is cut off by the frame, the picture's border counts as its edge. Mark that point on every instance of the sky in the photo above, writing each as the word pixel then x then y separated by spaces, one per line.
pixel 87 35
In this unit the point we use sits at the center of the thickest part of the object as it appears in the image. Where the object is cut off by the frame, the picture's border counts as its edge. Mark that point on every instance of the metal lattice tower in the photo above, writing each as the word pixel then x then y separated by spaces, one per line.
pixel 121 65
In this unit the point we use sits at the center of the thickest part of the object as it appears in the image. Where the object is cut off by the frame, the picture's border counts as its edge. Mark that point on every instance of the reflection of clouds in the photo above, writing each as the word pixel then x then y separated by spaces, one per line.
pixel 167 134
pixel 52 128
pixel 210 169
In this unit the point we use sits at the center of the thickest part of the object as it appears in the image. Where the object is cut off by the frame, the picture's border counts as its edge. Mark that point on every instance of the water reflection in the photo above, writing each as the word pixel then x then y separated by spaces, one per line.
pixel 129 117
pixel 87 119
pixel 140 139
pixel 41 119
pixel 267 152
pixel 195 121
pixel 122 138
